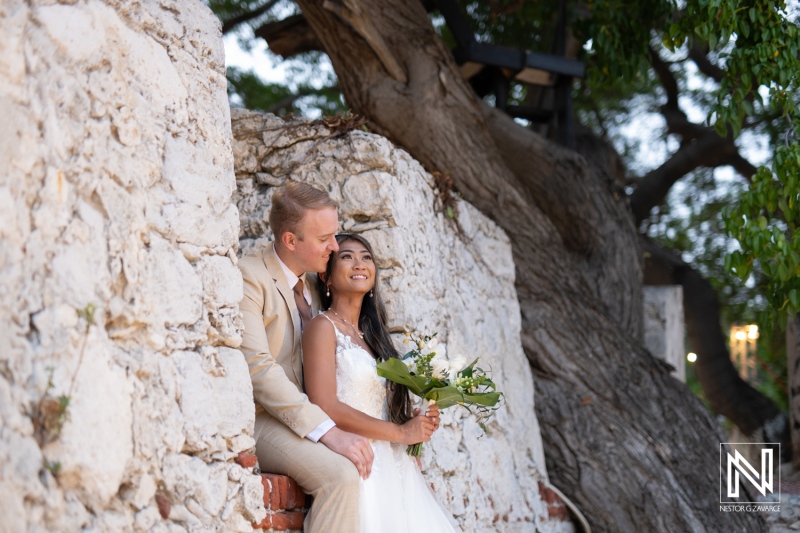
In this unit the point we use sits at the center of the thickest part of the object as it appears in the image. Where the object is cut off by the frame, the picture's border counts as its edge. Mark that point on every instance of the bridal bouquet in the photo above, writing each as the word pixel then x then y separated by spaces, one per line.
pixel 446 382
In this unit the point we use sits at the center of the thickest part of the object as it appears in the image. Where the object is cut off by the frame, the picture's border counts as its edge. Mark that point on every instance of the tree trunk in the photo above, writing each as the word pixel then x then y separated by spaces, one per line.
pixel 793 368
pixel 630 445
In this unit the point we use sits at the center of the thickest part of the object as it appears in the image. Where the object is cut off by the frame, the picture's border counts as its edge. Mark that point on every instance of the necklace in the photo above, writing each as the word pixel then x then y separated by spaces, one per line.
pixel 360 335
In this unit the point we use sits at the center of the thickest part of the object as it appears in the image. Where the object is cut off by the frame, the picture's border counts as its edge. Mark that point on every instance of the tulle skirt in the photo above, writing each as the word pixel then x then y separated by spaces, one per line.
pixel 396 498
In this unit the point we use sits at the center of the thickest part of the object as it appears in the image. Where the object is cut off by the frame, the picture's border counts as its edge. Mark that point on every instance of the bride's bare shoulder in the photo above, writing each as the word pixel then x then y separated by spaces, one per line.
pixel 319 328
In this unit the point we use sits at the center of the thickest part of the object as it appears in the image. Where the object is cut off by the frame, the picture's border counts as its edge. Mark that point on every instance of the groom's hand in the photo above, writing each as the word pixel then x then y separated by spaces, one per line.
pixel 354 447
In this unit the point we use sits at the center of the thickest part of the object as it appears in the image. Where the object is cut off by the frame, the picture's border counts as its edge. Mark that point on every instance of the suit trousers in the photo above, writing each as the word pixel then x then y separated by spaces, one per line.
pixel 330 478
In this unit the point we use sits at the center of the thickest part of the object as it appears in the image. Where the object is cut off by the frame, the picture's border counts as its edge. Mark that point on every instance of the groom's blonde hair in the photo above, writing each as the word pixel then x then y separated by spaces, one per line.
pixel 290 203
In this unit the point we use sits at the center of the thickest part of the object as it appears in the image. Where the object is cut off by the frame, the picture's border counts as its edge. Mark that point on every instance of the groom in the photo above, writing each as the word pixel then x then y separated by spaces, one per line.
pixel 293 436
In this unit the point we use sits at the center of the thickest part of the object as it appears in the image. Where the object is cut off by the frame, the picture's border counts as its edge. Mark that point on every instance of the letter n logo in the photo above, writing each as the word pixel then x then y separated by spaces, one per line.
pixel 736 465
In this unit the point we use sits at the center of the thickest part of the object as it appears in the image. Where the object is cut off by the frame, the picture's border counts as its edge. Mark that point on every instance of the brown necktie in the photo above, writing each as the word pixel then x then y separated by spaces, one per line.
pixel 302 304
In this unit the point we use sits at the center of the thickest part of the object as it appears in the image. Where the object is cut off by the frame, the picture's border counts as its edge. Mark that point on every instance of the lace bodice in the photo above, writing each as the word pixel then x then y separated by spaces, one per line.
pixel 357 382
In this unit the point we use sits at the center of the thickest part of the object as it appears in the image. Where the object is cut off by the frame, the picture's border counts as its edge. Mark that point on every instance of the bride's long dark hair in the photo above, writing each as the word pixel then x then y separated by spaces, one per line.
pixel 372 322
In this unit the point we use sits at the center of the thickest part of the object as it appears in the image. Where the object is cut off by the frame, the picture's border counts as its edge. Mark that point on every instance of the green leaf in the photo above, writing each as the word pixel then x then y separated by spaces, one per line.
pixel 395 370
pixel 449 396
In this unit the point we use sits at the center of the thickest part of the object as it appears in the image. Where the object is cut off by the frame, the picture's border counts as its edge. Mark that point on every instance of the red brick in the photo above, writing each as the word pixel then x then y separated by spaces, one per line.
pixel 288 520
pixel 264 524
pixel 246 460
pixel 282 521
pixel 558 512
pixel 295 497
pixel 272 496
pixel 267 492
pixel 548 495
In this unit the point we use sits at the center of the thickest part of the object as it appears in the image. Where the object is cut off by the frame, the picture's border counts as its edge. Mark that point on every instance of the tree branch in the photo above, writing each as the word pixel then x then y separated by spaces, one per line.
pixel 667 79
pixel 350 12
pixel 710 150
pixel 741 165
pixel 289 37
pixel 231 23
pixel 699 55
pixel 700 145
pixel 677 121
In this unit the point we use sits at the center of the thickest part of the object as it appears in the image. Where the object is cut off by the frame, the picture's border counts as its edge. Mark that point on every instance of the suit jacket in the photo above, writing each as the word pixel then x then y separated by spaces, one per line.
pixel 271 344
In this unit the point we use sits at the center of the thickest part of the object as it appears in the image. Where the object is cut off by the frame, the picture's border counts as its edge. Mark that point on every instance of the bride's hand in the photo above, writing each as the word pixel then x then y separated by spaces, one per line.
pixel 433 414
pixel 418 429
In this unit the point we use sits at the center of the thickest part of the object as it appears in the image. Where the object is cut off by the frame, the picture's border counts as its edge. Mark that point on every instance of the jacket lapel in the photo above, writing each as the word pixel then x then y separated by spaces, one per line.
pixel 275 270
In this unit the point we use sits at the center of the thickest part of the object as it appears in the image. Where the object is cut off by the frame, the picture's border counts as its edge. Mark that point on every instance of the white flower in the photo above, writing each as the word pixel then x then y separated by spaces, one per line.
pixel 456 365
pixel 441 351
pixel 433 343
pixel 439 366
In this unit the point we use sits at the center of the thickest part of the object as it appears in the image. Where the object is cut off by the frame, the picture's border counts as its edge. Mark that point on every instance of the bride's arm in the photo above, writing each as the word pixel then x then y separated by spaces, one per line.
pixel 319 370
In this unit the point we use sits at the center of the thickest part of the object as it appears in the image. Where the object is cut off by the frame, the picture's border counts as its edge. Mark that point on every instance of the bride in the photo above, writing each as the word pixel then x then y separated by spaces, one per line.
pixel 340 350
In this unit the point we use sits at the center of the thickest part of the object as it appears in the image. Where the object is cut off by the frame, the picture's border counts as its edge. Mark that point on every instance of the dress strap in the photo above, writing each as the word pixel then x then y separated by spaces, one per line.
pixel 331 321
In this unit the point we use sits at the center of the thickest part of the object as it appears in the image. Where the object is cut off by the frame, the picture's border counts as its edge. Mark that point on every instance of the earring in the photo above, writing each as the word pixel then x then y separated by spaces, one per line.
pixel 328 293
pixel 370 293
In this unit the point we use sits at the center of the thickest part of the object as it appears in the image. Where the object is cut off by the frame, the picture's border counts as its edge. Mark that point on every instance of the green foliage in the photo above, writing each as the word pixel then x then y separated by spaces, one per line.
pixel 760 46
pixel 763 51
pixel 528 25
pixel 765 223
pixel 248 90
pixel 49 413
pixel 756 45
pixel 618 34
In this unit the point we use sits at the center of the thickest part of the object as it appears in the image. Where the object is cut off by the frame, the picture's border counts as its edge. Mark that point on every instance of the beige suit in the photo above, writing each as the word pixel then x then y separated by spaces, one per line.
pixel 284 416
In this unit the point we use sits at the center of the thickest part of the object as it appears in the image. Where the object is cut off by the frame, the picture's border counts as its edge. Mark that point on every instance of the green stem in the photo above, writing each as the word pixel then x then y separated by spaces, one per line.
pixel 415 449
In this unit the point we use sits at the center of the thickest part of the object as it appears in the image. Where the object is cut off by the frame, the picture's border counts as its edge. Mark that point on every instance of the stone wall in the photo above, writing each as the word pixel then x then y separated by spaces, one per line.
pixel 451 276
pixel 121 396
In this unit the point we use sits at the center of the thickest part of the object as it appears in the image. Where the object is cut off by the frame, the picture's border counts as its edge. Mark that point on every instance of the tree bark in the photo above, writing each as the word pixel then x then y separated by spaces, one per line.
pixel 289 37
pixel 631 446
pixel 793 368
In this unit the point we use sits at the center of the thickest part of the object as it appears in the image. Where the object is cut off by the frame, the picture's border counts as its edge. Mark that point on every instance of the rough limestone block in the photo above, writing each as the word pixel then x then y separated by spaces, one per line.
pixel 116 175
pixel 173 288
pixel 222 281
pixel 95 446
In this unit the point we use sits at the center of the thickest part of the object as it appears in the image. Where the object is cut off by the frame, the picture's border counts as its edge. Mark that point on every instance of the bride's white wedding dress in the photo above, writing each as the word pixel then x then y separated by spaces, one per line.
pixel 395 498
